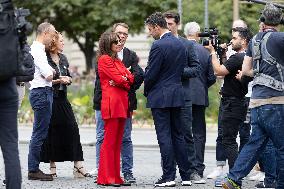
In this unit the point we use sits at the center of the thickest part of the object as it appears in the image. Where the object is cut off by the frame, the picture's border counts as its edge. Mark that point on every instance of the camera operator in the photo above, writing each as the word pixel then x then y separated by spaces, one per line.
pixel 233 108
pixel 8 118
pixel 265 61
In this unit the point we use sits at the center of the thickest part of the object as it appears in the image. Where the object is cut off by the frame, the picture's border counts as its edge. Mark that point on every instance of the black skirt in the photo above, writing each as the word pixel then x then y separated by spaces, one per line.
pixel 63 140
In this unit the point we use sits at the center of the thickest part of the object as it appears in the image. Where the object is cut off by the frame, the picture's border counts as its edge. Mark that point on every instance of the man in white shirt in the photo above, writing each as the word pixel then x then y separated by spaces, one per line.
pixel 41 99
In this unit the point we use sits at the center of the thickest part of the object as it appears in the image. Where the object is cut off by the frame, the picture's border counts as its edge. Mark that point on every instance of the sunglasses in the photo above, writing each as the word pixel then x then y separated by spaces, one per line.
pixel 116 42
pixel 122 33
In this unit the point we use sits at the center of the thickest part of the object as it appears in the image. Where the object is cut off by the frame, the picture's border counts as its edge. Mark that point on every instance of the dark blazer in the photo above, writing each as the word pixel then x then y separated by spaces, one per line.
pixel 64 71
pixel 162 82
pixel 200 84
pixel 192 68
pixel 129 59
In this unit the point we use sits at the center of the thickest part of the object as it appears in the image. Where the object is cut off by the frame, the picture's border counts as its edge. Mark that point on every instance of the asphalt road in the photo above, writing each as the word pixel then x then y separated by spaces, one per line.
pixel 146 169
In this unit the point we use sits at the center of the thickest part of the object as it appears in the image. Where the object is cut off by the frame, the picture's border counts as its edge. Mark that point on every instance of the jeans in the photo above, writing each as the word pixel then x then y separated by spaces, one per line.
pixel 268 160
pixel 186 119
pixel 41 101
pixel 9 133
pixel 267 123
pixel 127 146
pixel 199 135
pixel 231 114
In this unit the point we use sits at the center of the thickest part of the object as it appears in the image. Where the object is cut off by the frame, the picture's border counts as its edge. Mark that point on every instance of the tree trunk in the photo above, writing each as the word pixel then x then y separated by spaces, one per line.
pixel 89 51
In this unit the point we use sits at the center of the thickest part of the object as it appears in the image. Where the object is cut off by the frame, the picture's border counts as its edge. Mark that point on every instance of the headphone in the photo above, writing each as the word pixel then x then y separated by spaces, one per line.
pixel 262 19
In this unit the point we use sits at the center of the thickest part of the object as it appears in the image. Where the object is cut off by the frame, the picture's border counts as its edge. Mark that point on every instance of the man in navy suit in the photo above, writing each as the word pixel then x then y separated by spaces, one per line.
pixel 165 97
pixel 191 71
pixel 199 94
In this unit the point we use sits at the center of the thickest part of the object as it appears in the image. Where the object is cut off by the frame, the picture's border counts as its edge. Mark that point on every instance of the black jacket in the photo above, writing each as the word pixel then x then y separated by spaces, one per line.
pixel 64 71
pixel 129 59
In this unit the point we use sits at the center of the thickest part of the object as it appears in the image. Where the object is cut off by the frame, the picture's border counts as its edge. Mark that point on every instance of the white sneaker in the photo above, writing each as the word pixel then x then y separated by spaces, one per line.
pixel 258 177
pixel 186 183
pixel 216 173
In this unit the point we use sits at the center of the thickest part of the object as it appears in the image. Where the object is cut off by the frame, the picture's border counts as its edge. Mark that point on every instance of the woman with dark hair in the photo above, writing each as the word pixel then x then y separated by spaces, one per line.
pixel 115 83
pixel 63 140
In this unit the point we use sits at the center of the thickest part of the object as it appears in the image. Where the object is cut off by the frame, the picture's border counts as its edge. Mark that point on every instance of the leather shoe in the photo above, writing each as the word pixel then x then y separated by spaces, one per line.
pixel 39 175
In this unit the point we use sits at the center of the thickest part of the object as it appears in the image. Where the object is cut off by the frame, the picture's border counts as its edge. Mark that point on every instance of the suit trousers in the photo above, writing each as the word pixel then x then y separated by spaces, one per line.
pixel 199 135
pixel 186 119
pixel 109 163
pixel 9 133
pixel 127 146
pixel 170 135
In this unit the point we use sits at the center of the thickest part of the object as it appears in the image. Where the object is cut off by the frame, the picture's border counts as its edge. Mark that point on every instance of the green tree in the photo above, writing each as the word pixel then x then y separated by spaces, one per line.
pixel 85 20
pixel 221 15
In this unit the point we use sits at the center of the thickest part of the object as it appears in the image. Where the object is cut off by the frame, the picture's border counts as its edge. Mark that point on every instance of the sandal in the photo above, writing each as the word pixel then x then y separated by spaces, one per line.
pixel 53 173
pixel 79 174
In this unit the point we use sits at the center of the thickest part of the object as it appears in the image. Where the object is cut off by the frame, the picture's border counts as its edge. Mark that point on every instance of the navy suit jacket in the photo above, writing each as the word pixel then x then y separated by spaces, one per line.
pixel 162 82
pixel 192 68
pixel 200 84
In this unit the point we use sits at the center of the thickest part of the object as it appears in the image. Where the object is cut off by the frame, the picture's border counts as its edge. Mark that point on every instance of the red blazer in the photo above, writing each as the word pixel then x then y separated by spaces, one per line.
pixel 114 98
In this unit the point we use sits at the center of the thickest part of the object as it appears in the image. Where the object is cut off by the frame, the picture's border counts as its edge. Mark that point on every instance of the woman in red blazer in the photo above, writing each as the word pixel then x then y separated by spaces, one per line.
pixel 115 83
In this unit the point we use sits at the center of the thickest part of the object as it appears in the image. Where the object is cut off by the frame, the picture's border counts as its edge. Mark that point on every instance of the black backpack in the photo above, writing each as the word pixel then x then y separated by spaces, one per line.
pixel 15 57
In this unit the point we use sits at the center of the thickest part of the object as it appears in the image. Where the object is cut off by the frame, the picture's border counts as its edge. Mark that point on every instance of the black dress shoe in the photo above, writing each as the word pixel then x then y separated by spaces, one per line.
pixel 126 183
pixel 113 185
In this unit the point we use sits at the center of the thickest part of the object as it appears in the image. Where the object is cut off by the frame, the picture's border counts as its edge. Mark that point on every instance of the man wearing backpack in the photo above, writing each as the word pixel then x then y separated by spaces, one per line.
pixel 264 61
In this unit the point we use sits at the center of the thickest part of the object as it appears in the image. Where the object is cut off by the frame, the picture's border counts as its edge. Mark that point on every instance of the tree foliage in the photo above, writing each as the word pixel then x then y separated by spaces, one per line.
pixel 85 20
pixel 221 15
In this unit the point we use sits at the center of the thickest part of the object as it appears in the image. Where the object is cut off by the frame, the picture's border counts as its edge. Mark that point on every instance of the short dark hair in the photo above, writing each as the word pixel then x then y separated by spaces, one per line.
pixel 244 33
pixel 174 15
pixel 156 19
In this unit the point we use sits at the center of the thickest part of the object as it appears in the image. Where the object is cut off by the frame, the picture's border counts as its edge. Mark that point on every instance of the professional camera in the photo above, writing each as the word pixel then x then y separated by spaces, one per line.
pixel 212 35
pixel 23 27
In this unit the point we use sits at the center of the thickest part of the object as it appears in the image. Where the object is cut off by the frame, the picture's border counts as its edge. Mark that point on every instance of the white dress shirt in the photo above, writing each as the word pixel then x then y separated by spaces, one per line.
pixel 120 54
pixel 42 68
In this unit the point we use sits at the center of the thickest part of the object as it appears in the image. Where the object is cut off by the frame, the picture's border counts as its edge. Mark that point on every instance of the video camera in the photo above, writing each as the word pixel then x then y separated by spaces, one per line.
pixel 22 25
pixel 212 35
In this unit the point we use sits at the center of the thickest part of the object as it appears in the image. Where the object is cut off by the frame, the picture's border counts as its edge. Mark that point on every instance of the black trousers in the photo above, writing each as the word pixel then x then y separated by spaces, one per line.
pixel 199 135
pixel 171 141
pixel 232 114
pixel 9 133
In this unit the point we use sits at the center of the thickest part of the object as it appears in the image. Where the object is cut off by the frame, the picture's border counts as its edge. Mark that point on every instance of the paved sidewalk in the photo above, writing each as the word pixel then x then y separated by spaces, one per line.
pixel 147 170
pixel 141 137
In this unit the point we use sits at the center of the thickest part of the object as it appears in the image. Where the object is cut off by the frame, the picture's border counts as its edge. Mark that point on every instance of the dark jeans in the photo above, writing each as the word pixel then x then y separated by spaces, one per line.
pixel 9 133
pixel 232 114
pixel 127 146
pixel 171 141
pixel 199 135
pixel 244 132
pixel 41 101
pixel 268 160
pixel 267 123
pixel 186 119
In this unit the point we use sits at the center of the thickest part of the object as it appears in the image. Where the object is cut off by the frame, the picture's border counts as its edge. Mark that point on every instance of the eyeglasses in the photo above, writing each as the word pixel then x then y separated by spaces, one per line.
pixel 122 33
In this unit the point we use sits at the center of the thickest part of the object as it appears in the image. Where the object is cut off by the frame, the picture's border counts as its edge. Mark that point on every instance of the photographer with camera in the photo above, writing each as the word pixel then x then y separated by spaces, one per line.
pixel 264 61
pixel 233 108
pixel 18 63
